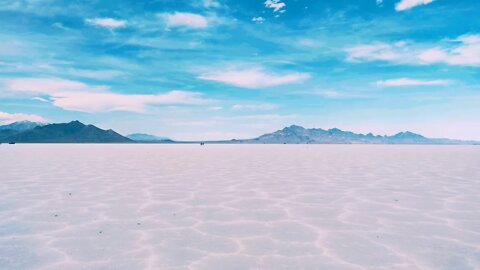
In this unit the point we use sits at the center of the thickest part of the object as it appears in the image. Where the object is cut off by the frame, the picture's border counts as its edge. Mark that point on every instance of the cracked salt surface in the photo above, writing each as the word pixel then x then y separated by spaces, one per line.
pixel 239 207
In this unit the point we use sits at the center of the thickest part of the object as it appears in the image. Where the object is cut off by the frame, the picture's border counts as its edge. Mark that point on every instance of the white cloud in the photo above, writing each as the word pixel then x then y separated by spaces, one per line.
pixel 332 94
pixel 8 118
pixel 467 53
pixel 432 55
pixel 253 77
pixel 377 51
pixel 40 99
pixel 379 2
pixel 77 96
pixel 261 106
pixel 311 43
pixel 258 19
pixel 95 74
pixel 106 22
pixel 276 5
pixel 463 51
pixel 411 82
pixel 59 25
pixel 48 86
pixel 408 4
pixel 259 117
pixel 185 19
pixel 103 102
pixel 211 3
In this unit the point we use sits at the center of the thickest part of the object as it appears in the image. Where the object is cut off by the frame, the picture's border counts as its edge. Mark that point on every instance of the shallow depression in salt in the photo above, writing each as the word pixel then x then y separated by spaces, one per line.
pixel 239 207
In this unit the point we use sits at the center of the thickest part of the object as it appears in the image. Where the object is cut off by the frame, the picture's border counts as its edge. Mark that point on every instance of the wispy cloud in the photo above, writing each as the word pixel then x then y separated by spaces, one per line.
pixel 49 86
pixel 40 99
pixel 408 4
pixel 462 51
pixel 334 94
pixel 411 82
pixel 259 117
pixel 467 53
pixel 211 3
pixel 95 74
pixel 395 52
pixel 106 22
pixel 309 43
pixel 276 5
pixel 8 118
pixel 258 19
pixel 104 102
pixel 185 19
pixel 78 96
pixel 255 77
pixel 259 106
pixel 60 26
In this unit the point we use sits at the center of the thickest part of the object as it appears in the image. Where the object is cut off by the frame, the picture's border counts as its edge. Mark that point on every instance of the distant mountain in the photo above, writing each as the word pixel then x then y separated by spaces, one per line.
pixel 141 137
pixel 6 133
pixel 21 125
pixel 73 132
pixel 77 132
pixel 300 135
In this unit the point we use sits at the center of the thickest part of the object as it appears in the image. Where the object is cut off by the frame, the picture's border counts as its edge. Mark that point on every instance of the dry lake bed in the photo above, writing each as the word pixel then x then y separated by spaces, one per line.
pixel 239 207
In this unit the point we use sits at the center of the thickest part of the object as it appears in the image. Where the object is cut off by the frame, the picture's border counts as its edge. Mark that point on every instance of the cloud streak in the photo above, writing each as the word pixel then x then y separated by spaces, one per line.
pixel 261 106
pixel 78 96
pixel 109 23
pixel 95 74
pixel 185 19
pixel 49 86
pixel 462 51
pixel 411 82
pixel 255 77
pixel 105 102
pixel 211 3
pixel 408 4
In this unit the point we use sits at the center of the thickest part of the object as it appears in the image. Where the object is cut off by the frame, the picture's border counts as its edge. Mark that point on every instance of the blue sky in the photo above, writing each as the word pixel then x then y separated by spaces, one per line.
pixel 222 69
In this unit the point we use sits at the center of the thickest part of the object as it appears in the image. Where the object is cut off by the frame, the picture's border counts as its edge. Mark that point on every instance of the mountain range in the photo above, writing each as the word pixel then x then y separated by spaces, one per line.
pixel 300 135
pixel 77 132
pixel 73 132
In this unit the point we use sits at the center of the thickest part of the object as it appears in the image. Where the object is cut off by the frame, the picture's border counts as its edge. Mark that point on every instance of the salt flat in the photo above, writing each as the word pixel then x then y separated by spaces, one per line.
pixel 239 207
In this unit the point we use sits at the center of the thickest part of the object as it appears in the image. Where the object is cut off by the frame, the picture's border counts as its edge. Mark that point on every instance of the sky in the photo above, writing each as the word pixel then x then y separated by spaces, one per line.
pixel 223 69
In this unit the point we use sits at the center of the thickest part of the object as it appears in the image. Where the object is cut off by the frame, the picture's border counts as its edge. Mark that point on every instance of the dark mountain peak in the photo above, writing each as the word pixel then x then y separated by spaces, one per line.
pixel 335 130
pixel 77 123
pixel 73 125
pixel 294 128
pixel 72 132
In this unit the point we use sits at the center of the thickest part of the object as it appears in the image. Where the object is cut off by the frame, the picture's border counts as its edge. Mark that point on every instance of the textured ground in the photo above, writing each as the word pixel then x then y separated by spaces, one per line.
pixel 239 207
